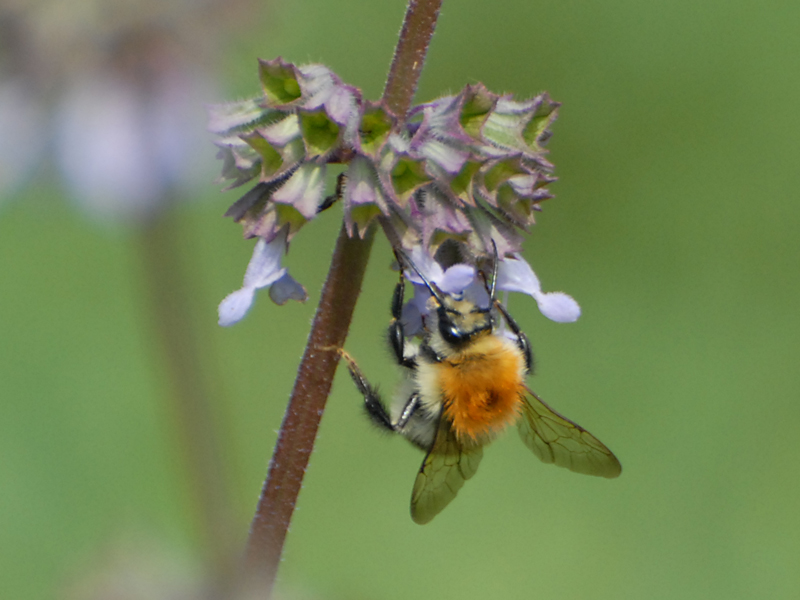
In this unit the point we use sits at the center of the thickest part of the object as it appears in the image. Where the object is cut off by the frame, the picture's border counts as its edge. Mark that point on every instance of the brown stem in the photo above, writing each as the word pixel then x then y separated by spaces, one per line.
pixel 409 55
pixel 306 405
pixel 328 332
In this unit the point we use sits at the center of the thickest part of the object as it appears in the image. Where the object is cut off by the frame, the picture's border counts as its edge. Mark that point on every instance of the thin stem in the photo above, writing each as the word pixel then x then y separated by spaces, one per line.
pixel 306 405
pixel 409 55
pixel 190 401
pixel 328 332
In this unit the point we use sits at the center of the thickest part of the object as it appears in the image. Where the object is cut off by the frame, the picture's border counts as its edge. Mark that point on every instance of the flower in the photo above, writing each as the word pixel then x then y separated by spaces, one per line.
pixel 467 170
pixel 111 95
pixel 264 270
pixel 452 280
pixel 514 274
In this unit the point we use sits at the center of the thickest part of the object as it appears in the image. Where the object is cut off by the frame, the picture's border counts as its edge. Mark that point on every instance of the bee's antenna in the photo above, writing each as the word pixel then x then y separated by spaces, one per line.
pixel 402 257
pixel 492 292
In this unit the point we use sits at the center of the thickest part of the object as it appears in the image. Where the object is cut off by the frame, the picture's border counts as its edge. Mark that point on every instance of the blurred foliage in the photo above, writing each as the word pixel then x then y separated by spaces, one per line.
pixel 675 227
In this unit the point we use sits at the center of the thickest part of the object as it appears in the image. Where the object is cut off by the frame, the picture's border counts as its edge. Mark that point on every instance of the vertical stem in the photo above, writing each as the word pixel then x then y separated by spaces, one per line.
pixel 328 332
pixel 196 428
pixel 306 405
pixel 409 55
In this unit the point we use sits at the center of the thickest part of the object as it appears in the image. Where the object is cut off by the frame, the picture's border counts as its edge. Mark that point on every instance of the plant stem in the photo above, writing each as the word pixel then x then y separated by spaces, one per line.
pixel 328 332
pixel 306 405
pixel 409 55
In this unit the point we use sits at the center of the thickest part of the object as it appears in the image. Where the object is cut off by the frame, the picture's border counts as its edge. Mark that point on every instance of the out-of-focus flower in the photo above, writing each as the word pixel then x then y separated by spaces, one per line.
pixel 468 169
pixel 126 150
pixel 116 92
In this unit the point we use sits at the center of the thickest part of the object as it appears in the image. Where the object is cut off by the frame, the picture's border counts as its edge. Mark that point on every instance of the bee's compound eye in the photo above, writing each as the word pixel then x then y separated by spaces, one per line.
pixel 450 332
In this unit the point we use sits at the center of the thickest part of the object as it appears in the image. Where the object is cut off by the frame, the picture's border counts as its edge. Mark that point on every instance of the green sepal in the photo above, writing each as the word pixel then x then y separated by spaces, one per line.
pixel 271 159
pixel 500 172
pixel 279 81
pixel 407 176
pixel 477 105
pixel 536 131
pixel 462 184
pixel 360 216
pixel 376 125
pixel 320 133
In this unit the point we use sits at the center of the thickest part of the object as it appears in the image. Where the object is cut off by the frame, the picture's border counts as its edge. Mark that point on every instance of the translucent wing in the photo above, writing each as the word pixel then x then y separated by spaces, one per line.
pixel 556 439
pixel 445 469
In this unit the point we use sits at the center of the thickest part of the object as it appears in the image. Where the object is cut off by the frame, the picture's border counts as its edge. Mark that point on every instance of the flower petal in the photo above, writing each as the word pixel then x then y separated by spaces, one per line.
pixel 516 275
pixel 558 306
pixel 235 306
pixel 456 279
pixel 265 266
pixel 427 266
pixel 285 289
pixel 411 319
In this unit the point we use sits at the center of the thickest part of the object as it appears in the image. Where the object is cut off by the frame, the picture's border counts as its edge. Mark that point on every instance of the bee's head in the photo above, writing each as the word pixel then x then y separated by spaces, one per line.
pixel 461 321
pixel 459 317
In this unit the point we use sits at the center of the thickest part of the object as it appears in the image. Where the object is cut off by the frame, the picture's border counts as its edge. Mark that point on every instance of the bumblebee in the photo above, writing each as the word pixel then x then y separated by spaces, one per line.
pixel 464 384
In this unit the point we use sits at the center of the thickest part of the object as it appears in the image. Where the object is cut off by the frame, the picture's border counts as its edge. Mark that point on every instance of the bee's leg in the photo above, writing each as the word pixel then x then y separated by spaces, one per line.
pixel 397 334
pixel 522 340
pixel 337 195
pixel 373 404
pixel 408 410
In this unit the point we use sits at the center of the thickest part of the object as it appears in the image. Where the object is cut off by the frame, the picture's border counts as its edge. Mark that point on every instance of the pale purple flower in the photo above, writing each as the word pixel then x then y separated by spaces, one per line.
pixel 467 169
pixel 515 275
pixel 123 150
pixel 264 270
pixel 453 280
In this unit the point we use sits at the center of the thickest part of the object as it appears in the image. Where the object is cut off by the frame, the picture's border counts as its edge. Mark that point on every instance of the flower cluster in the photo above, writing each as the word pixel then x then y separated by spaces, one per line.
pixel 466 170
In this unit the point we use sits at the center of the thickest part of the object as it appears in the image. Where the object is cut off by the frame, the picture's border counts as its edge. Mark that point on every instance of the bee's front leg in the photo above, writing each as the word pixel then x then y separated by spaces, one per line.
pixel 522 340
pixel 373 404
pixel 397 334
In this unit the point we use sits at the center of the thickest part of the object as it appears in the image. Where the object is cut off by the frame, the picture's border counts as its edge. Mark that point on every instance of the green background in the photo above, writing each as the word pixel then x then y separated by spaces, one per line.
pixel 675 226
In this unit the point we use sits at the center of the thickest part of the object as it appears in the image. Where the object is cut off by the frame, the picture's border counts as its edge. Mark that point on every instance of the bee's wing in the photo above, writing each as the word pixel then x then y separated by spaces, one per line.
pixel 556 439
pixel 445 469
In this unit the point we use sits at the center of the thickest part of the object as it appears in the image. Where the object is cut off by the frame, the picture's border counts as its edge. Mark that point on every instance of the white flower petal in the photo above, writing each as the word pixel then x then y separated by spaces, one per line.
pixel 516 275
pixel 456 279
pixel 477 294
pixel 285 289
pixel 265 266
pixel 235 306
pixel 558 306
pixel 426 264
pixel 412 318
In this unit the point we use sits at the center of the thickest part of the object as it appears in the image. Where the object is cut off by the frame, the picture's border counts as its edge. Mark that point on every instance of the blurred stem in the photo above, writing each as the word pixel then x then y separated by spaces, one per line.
pixel 195 426
pixel 328 333
pixel 409 55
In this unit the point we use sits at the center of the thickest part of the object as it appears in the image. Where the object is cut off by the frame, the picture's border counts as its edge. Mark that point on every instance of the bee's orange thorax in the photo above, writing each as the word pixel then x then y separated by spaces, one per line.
pixel 482 388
